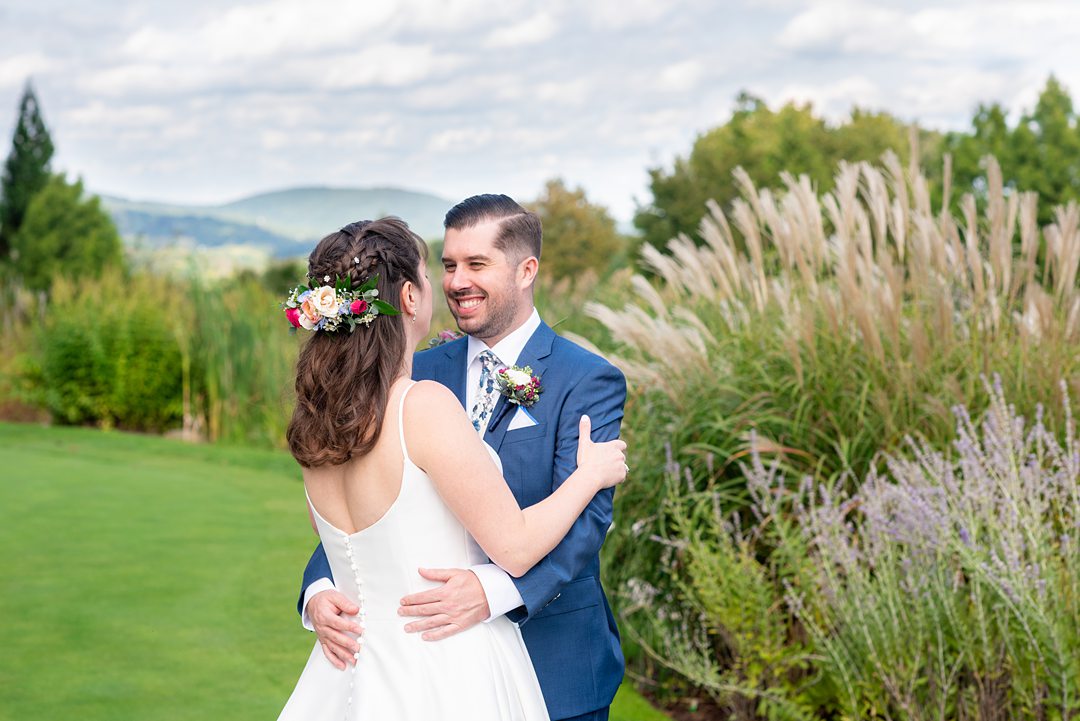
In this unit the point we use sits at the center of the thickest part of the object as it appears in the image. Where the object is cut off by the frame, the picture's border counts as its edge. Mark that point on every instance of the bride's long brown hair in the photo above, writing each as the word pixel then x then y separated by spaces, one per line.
pixel 343 379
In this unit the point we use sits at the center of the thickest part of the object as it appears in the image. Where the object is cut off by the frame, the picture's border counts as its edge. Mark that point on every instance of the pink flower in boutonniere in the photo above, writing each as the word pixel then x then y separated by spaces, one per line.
pixel 519 385
pixel 444 336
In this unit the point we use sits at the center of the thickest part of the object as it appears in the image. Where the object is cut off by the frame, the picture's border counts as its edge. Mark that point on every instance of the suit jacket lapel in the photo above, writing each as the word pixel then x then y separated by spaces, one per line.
pixel 452 372
pixel 533 354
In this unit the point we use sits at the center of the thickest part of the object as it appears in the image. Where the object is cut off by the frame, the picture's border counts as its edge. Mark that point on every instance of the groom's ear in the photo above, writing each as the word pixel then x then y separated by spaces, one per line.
pixel 527 270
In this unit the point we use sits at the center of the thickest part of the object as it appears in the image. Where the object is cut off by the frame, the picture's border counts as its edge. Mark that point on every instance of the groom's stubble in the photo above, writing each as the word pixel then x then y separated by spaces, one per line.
pixel 501 312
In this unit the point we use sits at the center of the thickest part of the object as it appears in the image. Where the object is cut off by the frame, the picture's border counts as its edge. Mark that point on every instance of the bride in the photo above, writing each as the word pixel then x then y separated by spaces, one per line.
pixel 397 478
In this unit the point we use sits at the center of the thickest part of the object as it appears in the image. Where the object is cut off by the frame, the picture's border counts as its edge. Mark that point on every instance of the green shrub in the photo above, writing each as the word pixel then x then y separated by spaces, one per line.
pixel 108 356
pixel 77 374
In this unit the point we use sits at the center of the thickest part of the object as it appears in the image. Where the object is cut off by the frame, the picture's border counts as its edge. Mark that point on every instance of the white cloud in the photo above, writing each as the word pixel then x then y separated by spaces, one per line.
pixel 99 114
pixel 833 99
pixel 15 70
pixel 457 16
pixel 572 92
pixel 263 30
pixel 620 14
pixel 389 65
pixel 935 97
pixel 846 26
pixel 681 77
pixel 460 140
pixel 531 31
pixel 986 28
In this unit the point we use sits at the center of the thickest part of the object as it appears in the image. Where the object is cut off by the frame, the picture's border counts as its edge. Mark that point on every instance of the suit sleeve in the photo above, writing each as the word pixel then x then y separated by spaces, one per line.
pixel 317 567
pixel 600 394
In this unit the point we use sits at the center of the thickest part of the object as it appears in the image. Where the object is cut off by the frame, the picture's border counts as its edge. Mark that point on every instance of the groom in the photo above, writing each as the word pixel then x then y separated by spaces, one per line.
pixel 490 260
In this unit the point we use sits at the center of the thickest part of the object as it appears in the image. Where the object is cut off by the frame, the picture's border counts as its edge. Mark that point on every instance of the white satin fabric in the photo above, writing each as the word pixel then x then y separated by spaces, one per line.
pixel 482 674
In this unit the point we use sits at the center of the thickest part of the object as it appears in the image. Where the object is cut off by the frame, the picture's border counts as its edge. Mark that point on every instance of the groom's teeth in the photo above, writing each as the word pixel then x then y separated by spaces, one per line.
pixel 469 303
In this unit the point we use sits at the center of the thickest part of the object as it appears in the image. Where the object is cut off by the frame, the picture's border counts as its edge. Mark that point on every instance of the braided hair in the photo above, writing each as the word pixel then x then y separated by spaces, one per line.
pixel 343 380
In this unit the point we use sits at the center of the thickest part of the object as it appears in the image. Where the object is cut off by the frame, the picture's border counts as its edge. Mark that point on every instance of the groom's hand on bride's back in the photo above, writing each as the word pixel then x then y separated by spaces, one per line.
pixel 331 613
pixel 458 604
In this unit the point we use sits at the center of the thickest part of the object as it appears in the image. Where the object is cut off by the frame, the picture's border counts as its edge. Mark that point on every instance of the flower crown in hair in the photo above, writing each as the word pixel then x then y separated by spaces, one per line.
pixel 335 308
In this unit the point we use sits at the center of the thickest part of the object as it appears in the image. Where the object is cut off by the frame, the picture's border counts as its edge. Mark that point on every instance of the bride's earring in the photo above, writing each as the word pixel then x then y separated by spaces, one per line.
pixel 414 317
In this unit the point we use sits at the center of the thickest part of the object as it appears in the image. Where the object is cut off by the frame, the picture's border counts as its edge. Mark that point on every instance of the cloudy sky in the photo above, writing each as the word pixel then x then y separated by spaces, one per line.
pixel 206 101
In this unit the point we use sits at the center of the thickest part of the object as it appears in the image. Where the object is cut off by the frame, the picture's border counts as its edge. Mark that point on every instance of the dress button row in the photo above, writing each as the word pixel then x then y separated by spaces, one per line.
pixel 362 615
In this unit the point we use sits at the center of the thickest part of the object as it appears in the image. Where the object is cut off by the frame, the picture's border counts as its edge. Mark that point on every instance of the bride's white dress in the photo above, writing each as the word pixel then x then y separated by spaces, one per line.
pixel 481 674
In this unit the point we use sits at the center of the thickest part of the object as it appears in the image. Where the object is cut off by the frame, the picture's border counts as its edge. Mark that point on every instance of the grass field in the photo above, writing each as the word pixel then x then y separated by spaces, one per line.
pixel 148 579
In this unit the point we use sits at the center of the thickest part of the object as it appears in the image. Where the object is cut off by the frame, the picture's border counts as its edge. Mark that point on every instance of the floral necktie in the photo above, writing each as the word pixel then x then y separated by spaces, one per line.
pixel 485 399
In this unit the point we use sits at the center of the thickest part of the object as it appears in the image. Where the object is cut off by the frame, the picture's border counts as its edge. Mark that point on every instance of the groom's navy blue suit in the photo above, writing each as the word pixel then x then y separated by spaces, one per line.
pixel 566 622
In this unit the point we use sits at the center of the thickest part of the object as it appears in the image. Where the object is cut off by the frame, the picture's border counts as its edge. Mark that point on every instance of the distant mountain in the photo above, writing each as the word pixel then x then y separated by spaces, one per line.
pixel 150 230
pixel 282 224
pixel 312 212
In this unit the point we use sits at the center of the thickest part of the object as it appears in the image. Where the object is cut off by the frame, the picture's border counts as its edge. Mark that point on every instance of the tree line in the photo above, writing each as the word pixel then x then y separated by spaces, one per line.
pixel 1039 151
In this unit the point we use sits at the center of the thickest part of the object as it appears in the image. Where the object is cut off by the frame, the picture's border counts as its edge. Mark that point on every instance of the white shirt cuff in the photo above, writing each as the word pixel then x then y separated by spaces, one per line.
pixel 323 584
pixel 502 594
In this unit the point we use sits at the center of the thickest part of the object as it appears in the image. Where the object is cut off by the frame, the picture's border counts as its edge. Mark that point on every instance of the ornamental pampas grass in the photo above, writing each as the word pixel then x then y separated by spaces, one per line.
pixel 897 301
pixel 819 332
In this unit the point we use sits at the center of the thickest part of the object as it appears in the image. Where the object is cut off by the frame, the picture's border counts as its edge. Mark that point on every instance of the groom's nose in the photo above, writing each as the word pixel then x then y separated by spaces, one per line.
pixel 458 279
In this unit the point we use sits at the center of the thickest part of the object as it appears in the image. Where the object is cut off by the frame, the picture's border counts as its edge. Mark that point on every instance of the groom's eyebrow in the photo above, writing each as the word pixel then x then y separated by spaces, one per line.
pixel 469 259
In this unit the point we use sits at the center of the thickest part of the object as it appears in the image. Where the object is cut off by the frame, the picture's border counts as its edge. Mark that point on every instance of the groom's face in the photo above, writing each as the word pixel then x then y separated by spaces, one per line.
pixel 479 281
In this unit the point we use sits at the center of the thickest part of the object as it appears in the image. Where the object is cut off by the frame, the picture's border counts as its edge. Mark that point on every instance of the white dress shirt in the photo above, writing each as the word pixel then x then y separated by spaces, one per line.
pixel 502 594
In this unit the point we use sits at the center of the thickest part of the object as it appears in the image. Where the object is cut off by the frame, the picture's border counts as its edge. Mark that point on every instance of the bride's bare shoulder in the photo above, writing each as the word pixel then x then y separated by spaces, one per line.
pixel 435 399
pixel 431 391
pixel 435 424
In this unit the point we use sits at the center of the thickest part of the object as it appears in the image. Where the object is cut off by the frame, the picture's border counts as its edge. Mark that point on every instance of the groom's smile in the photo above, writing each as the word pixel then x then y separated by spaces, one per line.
pixel 479 283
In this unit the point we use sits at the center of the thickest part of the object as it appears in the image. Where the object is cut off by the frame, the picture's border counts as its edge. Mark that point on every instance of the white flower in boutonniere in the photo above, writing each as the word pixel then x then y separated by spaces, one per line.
pixel 519 385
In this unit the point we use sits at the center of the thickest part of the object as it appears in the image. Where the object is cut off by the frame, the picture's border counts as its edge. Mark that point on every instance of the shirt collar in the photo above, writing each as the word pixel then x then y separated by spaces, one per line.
pixel 509 348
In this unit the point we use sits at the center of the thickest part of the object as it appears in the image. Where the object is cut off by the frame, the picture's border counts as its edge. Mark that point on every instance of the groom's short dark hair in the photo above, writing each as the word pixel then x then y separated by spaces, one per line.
pixel 520 233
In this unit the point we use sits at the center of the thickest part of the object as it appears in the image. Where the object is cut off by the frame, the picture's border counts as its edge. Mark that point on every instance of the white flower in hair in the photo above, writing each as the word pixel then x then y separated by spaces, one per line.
pixel 325 301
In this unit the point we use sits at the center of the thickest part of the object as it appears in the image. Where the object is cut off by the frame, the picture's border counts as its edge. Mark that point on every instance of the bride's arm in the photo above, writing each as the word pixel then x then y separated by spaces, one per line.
pixel 443 443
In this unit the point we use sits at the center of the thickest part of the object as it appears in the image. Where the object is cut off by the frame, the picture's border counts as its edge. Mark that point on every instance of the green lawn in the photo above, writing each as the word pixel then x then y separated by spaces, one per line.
pixel 145 578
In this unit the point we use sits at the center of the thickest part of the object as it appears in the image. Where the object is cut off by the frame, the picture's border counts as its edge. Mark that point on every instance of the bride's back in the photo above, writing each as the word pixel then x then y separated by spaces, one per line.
pixel 381 518
pixel 356 494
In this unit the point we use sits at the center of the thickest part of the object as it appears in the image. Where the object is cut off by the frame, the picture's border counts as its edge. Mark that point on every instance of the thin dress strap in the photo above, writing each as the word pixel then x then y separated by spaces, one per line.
pixel 401 421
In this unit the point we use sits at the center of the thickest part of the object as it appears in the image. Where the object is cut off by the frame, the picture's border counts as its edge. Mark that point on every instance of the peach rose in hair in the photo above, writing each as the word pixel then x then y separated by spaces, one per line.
pixel 325 301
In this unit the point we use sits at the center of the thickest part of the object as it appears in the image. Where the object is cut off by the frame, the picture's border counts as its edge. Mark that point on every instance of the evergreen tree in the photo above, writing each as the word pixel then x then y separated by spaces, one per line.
pixel 27 168
pixel 65 234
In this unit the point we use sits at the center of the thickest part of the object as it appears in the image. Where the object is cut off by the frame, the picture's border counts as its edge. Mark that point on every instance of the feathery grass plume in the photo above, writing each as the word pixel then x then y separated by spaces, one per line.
pixel 906 295
pixel 822 331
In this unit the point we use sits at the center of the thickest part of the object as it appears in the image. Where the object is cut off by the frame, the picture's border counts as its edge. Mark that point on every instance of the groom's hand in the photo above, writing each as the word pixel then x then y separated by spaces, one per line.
pixel 451 608
pixel 328 611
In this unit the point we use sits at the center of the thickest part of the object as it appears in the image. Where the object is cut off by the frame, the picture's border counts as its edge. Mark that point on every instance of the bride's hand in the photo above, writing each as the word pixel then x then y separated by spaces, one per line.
pixel 605 462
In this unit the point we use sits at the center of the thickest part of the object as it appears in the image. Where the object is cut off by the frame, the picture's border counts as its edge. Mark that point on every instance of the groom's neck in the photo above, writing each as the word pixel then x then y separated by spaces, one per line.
pixel 520 320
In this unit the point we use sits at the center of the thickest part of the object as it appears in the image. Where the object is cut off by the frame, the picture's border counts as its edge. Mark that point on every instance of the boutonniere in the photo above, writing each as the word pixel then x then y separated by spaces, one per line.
pixel 519 385
pixel 444 336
